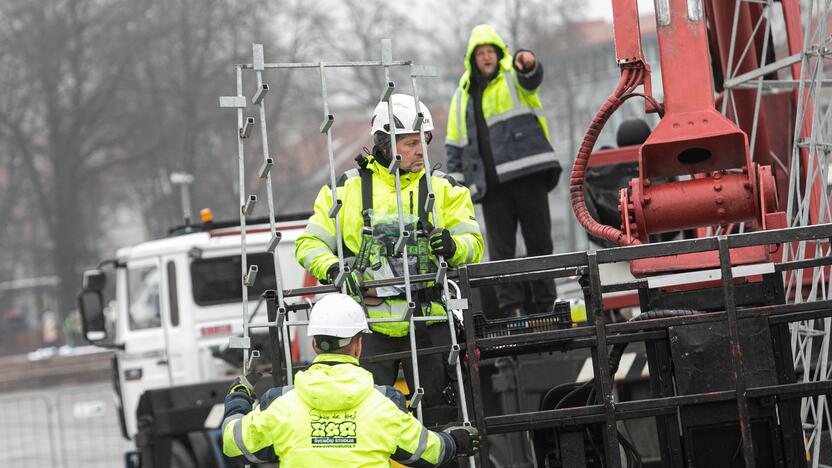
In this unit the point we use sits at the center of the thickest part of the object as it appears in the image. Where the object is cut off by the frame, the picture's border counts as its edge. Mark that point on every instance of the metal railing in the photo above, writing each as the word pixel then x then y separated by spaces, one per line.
pixel 598 336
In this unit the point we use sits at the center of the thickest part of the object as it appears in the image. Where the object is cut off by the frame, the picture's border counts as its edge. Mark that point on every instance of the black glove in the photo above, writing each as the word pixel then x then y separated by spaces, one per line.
pixel 353 280
pixel 441 243
pixel 245 384
pixel 331 274
pixel 466 438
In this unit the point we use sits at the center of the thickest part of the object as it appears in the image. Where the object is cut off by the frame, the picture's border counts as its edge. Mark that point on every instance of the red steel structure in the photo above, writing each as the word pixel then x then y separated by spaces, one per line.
pixel 697 170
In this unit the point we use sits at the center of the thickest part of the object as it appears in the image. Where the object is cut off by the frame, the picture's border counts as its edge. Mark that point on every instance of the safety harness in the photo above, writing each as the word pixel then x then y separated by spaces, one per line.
pixel 420 249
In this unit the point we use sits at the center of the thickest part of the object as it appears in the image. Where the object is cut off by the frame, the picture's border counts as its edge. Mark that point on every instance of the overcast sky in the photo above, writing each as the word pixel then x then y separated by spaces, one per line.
pixel 603 8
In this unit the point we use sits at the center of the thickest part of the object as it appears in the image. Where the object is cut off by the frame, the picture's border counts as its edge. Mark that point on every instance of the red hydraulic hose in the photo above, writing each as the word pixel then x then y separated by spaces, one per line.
pixel 630 78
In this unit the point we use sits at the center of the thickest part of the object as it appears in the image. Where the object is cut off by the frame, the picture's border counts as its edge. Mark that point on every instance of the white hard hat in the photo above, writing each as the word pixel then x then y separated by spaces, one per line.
pixel 337 315
pixel 404 113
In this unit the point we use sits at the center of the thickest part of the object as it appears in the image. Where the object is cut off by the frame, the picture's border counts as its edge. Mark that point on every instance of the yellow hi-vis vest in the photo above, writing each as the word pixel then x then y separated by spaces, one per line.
pixel 334 416
pixel 517 130
pixel 316 248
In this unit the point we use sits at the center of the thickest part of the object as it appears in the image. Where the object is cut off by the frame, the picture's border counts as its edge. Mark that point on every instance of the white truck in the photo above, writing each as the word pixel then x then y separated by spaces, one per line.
pixel 177 301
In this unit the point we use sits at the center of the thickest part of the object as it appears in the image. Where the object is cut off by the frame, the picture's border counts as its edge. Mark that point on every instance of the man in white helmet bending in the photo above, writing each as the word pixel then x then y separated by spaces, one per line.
pixel 335 416
pixel 370 229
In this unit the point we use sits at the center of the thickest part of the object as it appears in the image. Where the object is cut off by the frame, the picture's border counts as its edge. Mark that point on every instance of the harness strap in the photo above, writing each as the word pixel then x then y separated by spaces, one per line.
pixel 366 194
pixel 423 198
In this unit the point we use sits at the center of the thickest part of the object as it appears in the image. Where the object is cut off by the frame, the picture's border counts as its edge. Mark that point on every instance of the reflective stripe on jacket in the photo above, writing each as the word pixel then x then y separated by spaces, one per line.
pixel 518 133
pixel 316 248
pixel 334 416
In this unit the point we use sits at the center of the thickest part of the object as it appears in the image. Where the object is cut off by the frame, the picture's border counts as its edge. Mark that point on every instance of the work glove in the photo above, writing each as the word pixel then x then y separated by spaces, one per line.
pixel 245 384
pixel 441 243
pixel 353 280
pixel 466 439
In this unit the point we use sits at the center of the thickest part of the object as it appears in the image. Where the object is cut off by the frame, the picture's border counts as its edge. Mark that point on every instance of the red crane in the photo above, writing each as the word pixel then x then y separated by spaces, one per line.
pixel 696 169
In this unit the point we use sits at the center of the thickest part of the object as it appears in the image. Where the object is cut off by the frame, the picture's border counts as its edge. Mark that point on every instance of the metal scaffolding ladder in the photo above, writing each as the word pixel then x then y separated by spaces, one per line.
pixel 279 319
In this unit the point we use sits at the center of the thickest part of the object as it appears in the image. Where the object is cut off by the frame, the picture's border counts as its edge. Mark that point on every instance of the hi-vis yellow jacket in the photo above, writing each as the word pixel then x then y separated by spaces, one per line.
pixel 517 130
pixel 316 248
pixel 334 416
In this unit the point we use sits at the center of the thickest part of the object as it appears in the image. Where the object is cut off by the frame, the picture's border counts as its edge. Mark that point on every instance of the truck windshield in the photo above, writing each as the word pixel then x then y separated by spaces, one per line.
pixel 218 280
pixel 143 296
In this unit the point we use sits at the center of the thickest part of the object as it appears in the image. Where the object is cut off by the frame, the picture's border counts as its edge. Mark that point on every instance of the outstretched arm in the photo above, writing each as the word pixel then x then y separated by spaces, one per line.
pixel 246 433
pixel 529 69
pixel 417 446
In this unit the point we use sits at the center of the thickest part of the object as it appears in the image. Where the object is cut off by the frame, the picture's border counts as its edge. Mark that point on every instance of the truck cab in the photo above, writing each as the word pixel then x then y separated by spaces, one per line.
pixel 177 300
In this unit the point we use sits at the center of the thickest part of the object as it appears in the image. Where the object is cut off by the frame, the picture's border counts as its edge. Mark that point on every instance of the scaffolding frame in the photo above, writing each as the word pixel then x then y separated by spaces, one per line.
pixel 279 322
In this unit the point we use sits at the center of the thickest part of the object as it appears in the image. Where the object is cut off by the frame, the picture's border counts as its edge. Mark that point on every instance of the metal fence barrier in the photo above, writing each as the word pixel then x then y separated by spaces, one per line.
pixel 27 435
pixel 62 427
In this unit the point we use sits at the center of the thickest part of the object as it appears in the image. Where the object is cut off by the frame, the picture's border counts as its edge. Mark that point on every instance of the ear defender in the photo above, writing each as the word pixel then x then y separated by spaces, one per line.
pixel 324 344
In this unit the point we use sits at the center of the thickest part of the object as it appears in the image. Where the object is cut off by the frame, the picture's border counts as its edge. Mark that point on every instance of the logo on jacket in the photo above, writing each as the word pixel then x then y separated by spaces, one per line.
pixel 333 430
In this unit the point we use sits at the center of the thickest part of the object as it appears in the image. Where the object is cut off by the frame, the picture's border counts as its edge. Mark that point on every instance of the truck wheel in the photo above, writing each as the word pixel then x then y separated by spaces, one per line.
pixel 180 456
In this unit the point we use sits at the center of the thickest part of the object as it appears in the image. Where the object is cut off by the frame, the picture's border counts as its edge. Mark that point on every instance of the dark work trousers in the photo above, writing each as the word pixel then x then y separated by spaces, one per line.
pixel 433 368
pixel 524 201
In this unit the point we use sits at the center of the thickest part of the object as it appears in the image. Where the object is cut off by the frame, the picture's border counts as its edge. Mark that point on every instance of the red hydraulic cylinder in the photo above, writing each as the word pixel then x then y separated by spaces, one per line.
pixel 716 199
